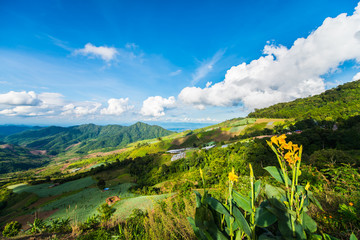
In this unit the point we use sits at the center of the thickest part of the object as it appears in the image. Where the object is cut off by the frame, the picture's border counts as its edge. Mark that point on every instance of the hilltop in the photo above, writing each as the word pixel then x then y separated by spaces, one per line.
pixel 340 102
pixel 85 138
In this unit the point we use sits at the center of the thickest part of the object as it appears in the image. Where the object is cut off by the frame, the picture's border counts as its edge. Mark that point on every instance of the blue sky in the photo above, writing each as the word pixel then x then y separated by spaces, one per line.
pixel 72 62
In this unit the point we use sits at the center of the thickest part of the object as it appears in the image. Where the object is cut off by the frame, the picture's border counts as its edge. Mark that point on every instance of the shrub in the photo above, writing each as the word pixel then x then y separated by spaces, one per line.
pixel 105 211
pixel 11 229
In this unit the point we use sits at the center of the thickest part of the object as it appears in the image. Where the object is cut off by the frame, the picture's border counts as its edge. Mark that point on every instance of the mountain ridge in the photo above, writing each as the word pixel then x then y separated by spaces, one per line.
pixel 340 102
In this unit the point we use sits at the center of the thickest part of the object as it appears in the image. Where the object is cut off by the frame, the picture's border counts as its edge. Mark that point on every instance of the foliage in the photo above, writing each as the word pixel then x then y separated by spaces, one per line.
pixel 91 222
pixel 340 102
pixel 105 211
pixel 281 215
pixel 101 184
pixel 38 226
pixel 11 229
pixel 59 225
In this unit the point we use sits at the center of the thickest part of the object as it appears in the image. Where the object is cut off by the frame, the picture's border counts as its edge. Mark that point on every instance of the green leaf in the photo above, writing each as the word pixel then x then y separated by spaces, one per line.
pixel 309 223
pixel 353 237
pixel 194 227
pixel 240 219
pixel 314 200
pixel 217 206
pixel 198 198
pixel 274 192
pixel 328 237
pixel 242 202
pixel 277 174
pixel 315 237
pixel 203 216
pixel 264 217
pixel 257 188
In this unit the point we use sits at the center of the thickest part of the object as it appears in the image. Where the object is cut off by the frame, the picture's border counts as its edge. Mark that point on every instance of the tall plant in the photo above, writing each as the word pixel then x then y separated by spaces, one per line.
pixel 281 215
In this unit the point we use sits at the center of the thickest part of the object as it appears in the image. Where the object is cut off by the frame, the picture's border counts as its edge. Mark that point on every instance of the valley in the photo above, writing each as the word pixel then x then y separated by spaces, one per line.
pixel 87 166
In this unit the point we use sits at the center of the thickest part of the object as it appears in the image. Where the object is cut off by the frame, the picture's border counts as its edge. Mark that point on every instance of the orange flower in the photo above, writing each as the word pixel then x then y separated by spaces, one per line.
pixel 351 204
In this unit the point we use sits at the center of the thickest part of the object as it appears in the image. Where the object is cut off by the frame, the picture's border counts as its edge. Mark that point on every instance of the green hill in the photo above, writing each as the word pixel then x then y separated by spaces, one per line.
pixel 85 137
pixel 15 158
pixel 6 130
pixel 340 102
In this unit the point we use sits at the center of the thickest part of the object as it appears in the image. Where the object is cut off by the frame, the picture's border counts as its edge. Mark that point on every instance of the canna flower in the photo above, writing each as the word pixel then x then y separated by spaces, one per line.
pixel 281 139
pixel 232 176
pixel 274 140
pixel 295 147
pixel 351 204
pixel 287 146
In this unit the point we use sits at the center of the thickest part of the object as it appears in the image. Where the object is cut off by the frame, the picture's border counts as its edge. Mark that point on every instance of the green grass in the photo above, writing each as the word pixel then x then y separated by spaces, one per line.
pixel 43 190
pixel 81 205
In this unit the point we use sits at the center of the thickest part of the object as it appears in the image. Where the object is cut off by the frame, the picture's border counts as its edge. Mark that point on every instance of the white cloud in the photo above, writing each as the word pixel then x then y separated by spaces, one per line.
pixel 155 106
pixel 284 74
pixel 116 106
pixel 81 109
pixel 206 67
pixel 105 53
pixel 175 73
pixel 29 104
pixel 20 98
pixel 356 77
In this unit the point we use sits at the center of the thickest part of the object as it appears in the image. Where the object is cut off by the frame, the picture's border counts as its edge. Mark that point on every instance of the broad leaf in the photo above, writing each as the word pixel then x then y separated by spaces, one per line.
pixel 353 237
pixel 242 202
pixel 198 198
pixel 309 223
pixel 277 174
pixel 314 200
pixel 240 219
pixel 264 218
pixel 217 206
pixel 257 188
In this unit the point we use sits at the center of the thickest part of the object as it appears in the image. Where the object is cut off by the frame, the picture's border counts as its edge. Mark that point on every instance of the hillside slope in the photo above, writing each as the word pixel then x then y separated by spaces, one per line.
pixel 15 158
pixel 85 137
pixel 340 102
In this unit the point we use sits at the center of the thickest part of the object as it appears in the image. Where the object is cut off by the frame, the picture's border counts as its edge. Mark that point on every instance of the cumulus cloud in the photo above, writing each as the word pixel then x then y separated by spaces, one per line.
pixel 81 109
pixel 356 77
pixel 20 98
pixel 206 67
pixel 117 106
pixel 105 53
pixel 284 74
pixel 29 104
pixel 156 106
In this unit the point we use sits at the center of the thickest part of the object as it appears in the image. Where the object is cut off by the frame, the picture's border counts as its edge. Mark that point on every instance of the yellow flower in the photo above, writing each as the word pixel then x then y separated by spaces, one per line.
pixel 295 147
pixel 288 145
pixel 307 186
pixel 232 176
pixel 351 204
pixel 281 139
pixel 274 140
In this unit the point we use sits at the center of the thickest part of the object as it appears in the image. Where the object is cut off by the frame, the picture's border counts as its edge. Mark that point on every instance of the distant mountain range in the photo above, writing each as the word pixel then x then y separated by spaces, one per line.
pixel 6 130
pixel 340 102
pixel 85 137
